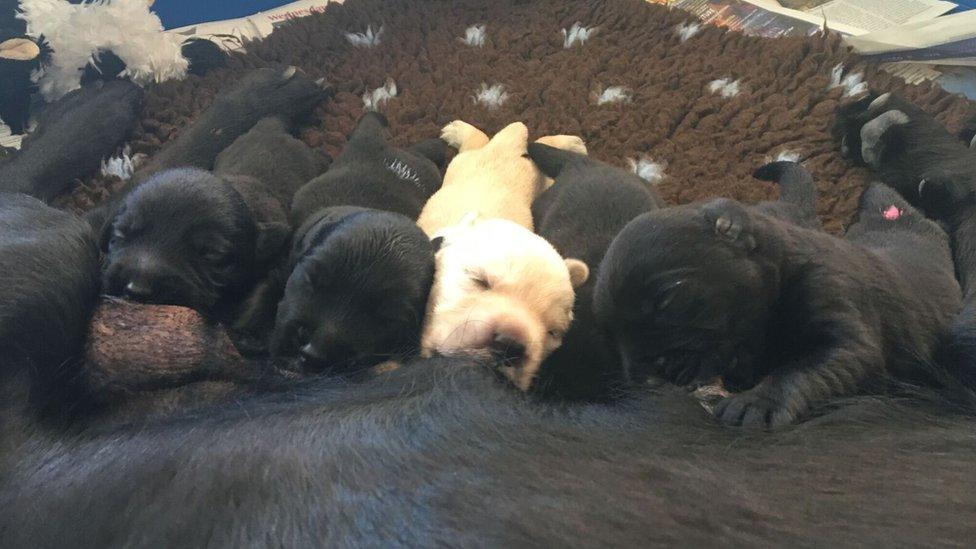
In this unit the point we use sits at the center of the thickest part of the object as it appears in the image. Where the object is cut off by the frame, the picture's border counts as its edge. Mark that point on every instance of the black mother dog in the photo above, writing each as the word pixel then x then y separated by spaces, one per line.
pixel 789 316
pixel 587 205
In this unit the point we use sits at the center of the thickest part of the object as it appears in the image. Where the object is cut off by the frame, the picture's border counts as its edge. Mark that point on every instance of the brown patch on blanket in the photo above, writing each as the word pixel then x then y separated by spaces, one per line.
pixel 711 144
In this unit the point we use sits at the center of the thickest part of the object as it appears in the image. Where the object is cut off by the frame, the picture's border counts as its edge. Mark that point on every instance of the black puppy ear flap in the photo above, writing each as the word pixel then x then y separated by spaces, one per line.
pixel 437 242
pixel 731 224
pixel 102 221
pixel 272 241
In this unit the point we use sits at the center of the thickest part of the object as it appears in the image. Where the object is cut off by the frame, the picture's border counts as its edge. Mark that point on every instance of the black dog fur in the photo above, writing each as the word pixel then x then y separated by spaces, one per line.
pixel 73 135
pixel 440 453
pixel 371 174
pixel 787 316
pixel 587 205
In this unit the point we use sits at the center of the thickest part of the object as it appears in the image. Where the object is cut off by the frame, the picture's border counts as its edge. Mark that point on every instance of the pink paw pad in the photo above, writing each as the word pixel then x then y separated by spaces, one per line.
pixel 892 213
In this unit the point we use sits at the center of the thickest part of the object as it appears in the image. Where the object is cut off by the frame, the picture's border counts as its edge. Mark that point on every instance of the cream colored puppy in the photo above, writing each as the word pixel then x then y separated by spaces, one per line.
pixel 500 292
pixel 493 178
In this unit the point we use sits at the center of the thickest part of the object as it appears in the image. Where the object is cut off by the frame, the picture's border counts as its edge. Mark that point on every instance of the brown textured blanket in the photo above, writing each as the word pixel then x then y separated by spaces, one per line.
pixel 710 143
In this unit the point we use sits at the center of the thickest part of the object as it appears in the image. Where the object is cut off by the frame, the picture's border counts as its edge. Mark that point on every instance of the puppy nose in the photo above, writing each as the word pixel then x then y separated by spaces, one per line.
pixel 507 348
pixel 138 290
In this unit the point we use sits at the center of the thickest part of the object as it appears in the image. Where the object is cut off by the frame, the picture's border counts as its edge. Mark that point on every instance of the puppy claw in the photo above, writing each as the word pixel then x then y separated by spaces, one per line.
pixel 753 409
pixel 879 102
pixel 290 72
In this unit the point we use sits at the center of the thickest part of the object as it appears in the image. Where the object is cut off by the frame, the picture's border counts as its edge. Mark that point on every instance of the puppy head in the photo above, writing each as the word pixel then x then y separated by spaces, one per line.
pixel 358 291
pixel 686 291
pixel 501 293
pixel 184 237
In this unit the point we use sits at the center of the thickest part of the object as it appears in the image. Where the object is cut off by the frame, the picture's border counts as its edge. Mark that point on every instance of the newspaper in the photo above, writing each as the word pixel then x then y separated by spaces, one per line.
pixel 871 15
pixel 232 34
pixel 947 40
pixel 749 17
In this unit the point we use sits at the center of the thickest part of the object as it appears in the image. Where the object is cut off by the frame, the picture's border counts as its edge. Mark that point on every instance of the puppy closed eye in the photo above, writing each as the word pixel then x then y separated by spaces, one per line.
pixel 211 254
pixel 480 280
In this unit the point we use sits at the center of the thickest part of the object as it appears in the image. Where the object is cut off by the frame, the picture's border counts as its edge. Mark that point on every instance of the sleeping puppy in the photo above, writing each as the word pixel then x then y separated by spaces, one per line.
pixel 354 290
pixel 491 178
pixel 500 293
pixel 589 203
pixel 186 237
pixel 371 174
pixel 789 316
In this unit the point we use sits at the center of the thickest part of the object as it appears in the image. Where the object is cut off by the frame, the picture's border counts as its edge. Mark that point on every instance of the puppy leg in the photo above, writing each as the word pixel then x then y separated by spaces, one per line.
pixel 463 136
pixel 570 143
pixel 787 394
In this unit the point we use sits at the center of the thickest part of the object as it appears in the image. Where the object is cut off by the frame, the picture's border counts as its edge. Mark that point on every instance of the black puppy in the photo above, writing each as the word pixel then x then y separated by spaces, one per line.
pixel 186 237
pixel 73 135
pixel 789 316
pixel 936 170
pixel 588 204
pixel 270 154
pixel 372 174
pixel 353 291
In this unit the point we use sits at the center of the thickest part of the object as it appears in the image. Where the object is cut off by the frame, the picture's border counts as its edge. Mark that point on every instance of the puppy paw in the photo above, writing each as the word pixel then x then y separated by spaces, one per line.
pixel 461 135
pixel 570 143
pixel 873 139
pixel 284 92
pixel 757 408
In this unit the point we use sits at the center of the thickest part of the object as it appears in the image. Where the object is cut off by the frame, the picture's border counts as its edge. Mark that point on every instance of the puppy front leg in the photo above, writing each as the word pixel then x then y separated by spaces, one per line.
pixel 463 136
pixel 788 393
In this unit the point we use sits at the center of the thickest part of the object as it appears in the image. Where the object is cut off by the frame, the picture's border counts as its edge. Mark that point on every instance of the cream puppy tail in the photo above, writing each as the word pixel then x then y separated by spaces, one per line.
pixel 463 136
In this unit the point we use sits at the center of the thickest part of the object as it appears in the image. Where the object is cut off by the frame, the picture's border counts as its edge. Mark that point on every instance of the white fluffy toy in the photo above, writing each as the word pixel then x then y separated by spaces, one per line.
pixel 76 33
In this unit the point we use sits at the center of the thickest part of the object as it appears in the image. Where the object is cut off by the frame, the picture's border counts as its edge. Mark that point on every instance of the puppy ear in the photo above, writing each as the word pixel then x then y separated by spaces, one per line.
pixel 578 272
pixel 436 243
pixel 730 223
pixel 102 221
pixel 271 242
